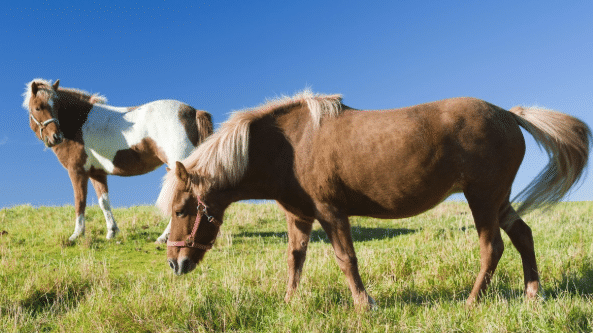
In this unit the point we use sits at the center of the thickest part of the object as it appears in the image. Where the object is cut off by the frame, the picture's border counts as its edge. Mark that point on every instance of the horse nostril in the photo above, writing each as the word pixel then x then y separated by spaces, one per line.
pixel 185 266
pixel 173 265
pixel 58 138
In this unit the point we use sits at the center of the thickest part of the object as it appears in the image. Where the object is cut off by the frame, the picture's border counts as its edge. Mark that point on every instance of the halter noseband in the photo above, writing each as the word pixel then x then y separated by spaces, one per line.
pixel 42 125
pixel 191 240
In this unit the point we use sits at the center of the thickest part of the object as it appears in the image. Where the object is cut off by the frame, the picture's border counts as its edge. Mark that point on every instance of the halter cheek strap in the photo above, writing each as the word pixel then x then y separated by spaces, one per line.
pixel 191 240
pixel 42 125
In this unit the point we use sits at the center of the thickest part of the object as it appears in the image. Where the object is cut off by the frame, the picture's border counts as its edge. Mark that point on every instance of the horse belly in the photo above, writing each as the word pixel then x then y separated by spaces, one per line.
pixel 398 192
pixel 118 144
pixel 399 169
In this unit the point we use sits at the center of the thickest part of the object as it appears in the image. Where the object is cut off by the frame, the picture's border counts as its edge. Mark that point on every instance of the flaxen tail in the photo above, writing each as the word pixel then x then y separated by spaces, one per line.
pixel 566 141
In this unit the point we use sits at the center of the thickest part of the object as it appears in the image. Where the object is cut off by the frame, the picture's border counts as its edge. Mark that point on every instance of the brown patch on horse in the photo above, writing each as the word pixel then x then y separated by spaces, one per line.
pixel 193 120
pixel 138 159
pixel 70 153
pixel 74 106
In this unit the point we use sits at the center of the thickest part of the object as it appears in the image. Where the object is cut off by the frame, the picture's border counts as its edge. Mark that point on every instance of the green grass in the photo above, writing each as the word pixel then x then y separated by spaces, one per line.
pixel 419 270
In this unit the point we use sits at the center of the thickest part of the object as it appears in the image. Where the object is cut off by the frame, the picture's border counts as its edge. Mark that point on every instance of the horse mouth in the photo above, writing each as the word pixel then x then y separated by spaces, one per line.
pixel 56 140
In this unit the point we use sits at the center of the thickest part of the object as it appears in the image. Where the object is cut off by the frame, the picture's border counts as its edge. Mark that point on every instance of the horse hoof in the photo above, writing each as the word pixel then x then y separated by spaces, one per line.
pixel 162 238
pixel 112 233
pixel 75 236
pixel 367 304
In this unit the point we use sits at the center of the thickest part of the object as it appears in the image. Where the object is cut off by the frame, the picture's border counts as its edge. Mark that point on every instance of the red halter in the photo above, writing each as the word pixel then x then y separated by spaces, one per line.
pixel 190 241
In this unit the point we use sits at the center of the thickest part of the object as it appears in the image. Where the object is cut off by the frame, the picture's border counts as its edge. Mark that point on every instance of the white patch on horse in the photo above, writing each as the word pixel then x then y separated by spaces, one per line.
pixel 110 129
pixel 165 235
pixel 78 228
pixel 112 228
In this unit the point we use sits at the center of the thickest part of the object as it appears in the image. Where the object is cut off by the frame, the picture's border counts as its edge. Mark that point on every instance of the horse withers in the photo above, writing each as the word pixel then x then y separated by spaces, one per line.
pixel 92 139
pixel 321 160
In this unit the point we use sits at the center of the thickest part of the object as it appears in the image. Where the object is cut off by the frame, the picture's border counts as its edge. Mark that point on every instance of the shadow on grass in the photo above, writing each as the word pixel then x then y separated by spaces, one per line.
pixel 359 234
pixel 54 300
pixel 572 285
pixel 579 283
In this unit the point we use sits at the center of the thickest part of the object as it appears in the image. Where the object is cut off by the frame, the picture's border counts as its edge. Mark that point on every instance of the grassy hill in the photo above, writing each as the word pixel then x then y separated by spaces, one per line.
pixel 419 270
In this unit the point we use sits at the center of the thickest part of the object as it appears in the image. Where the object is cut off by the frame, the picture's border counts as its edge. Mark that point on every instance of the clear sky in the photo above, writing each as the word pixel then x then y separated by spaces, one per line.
pixel 222 56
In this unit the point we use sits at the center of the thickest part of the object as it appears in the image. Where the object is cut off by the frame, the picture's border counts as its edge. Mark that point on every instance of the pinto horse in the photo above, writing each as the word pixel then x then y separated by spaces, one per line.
pixel 321 160
pixel 92 139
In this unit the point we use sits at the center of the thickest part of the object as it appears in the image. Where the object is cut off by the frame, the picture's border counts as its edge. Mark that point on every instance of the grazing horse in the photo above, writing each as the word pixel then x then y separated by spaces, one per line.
pixel 321 160
pixel 93 140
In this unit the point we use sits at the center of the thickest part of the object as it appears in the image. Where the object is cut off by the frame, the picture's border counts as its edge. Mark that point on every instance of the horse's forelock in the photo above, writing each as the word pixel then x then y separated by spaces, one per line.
pixel 44 91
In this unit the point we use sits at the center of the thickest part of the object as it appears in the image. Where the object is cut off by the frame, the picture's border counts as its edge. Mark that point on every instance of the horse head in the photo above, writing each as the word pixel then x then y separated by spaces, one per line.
pixel 42 103
pixel 195 223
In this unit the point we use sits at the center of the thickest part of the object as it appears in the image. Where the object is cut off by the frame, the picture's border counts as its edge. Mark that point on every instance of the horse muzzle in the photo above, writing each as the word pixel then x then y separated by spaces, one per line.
pixel 54 139
pixel 182 266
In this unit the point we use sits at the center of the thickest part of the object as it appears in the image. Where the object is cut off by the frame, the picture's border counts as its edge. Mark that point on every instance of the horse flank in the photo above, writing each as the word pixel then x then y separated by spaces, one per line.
pixel 223 157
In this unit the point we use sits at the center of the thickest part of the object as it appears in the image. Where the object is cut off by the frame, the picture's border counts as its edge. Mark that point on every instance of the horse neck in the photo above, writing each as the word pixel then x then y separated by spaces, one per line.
pixel 74 110
pixel 269 167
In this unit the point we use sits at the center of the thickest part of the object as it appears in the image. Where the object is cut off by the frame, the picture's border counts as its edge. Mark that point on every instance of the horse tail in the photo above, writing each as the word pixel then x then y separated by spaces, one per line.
pixel 203 125
pixel 566 141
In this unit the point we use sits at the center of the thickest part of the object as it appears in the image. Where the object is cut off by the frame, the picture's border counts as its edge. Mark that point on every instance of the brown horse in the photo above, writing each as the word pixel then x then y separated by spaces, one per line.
pixel 321 160
pixel 93 140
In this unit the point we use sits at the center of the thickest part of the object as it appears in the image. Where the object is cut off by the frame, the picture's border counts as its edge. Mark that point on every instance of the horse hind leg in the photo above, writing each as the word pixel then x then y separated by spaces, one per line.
pixel 100 184
pixel 485 215
pixel 522 238
pixel 299 232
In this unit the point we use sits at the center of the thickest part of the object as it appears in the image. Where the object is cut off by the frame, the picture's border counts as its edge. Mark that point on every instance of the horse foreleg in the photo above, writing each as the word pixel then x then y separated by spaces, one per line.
pixel 337 228
pixel 79 181
pixel 165 235
pixel 520 234
pixel 100 184
pixel 299 231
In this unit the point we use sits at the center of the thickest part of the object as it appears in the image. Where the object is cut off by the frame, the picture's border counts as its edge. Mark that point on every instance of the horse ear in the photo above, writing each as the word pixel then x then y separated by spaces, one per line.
pixel 34 88
pixel 56 85
pixel 181 172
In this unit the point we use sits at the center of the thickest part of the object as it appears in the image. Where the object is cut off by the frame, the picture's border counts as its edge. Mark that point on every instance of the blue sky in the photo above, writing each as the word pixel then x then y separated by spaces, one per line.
pixel 222 56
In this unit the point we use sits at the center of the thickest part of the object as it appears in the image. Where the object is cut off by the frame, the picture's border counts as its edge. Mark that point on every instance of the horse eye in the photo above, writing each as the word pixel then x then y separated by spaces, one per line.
pixel 37 109
pixel 180 213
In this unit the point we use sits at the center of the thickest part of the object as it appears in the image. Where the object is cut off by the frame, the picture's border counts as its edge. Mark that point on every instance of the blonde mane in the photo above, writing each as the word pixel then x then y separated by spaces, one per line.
pixel 222 159
pixel 48 93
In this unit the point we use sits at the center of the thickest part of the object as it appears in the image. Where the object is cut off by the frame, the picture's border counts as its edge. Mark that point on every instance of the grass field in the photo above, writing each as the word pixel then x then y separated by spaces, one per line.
pixel 419 270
